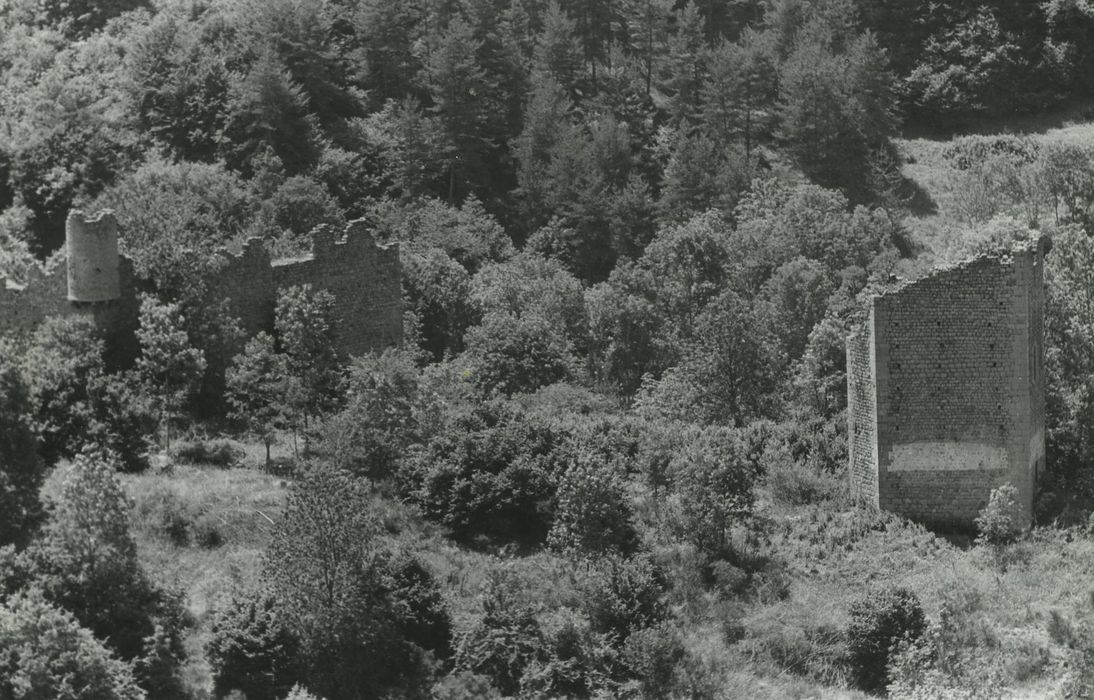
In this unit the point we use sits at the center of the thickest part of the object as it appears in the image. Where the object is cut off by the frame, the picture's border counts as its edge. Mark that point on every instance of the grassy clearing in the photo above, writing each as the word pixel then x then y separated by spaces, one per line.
pixel 954 203
pixel 1013 614
pixel 1016 614
pixel 203 531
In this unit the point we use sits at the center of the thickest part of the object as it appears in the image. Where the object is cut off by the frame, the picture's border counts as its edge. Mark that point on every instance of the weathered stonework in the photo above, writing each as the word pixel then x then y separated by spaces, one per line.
pixel 363 277
pixel 92 256
pixel 946 389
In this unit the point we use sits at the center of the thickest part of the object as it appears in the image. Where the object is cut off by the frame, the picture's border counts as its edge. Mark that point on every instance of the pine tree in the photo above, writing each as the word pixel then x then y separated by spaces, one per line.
pixel 647 26
pixel 739 98
pixel 459 86
pixel 686 66
pixel 557 54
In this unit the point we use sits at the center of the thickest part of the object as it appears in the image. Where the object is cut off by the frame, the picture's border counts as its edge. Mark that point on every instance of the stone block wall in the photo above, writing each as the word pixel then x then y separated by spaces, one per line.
pixel 862 418
pixel 954 370
pixel 92 256
pixel 364 278
pixel 44 292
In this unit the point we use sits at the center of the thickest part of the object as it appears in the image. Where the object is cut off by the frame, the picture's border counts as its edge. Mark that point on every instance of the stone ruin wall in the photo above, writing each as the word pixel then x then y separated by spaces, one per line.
pixel 955 371
pixel 95 282
pixel 365 281
pixel 861 411
pixel 364 278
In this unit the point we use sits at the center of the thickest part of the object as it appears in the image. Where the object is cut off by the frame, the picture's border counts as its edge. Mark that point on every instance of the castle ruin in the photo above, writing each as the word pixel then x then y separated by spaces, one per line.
pixel 364 278
pixel 946 390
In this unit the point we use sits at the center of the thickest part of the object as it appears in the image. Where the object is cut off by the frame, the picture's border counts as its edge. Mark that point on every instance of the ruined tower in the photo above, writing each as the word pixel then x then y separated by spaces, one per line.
pixel 945 388
pixel 92 257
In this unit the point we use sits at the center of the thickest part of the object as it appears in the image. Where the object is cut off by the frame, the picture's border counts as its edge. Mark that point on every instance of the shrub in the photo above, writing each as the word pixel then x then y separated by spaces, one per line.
pixel 85 560
pixel 574 661
pixel 795 483
pixel 123 422
pixel 651 655
pixel 63 362
pixel 593 516
pixel 178 520
pixel 509 354
pixel 625 595
pixel 45 653
pixel 299 692
pixel 506 639
pixel 492 472
pixel 1080 677
pixel 381 417
pixel 1060 629
pixel 1000 522
pixel 424 620
pixel 216 453
pixel 334 589
pixel 21 470
pixel 464 685
pixel 878 622
pixel 714 476
pixel 251 649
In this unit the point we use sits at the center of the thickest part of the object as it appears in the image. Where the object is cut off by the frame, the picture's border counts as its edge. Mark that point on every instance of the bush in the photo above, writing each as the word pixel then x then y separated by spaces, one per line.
pixel 509 354
pixel 216 453
pixel 651 655
pixel 714 474
pixel 179 521
pixel 1080 676
pixel 878 622
pixel 85 560
pixel 123 421
pixel 358 612
pixel 299 692
pixel 625 595
pixel 251 650
pixel 492 472
pixel 464 685
pixel 21 470
pixel 506 640
pixel 381 417
pixel 45 653
pixel 1000 522
pixel 795 483
pixel 593 516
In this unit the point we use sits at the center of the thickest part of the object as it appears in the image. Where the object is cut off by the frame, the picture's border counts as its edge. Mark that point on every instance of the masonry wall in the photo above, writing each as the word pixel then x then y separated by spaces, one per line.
pixel 364 278
pixel 958 389
pixel 23 306
pixel 245 282
pixel 92 247
pixel 862 416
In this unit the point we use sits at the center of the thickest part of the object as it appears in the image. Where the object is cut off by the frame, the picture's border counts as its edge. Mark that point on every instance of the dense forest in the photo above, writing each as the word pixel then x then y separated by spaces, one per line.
pixel 609 459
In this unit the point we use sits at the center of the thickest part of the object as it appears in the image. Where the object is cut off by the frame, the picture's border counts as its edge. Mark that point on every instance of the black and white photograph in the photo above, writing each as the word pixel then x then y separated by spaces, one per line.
pixel 546 349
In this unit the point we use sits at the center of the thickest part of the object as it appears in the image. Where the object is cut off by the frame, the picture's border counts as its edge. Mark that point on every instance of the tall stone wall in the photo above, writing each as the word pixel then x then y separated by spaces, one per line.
pixel 92 256
pixel 955 374
pixel 245 282
pixel 862 416
pixel 363 277
pixel 24 305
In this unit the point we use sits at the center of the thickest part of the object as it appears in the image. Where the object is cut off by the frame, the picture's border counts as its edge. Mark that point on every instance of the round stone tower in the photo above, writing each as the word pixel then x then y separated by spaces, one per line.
pixel 92 256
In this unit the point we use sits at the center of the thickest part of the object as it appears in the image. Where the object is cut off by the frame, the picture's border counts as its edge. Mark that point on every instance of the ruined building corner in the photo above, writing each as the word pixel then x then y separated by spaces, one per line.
pixel 945 388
